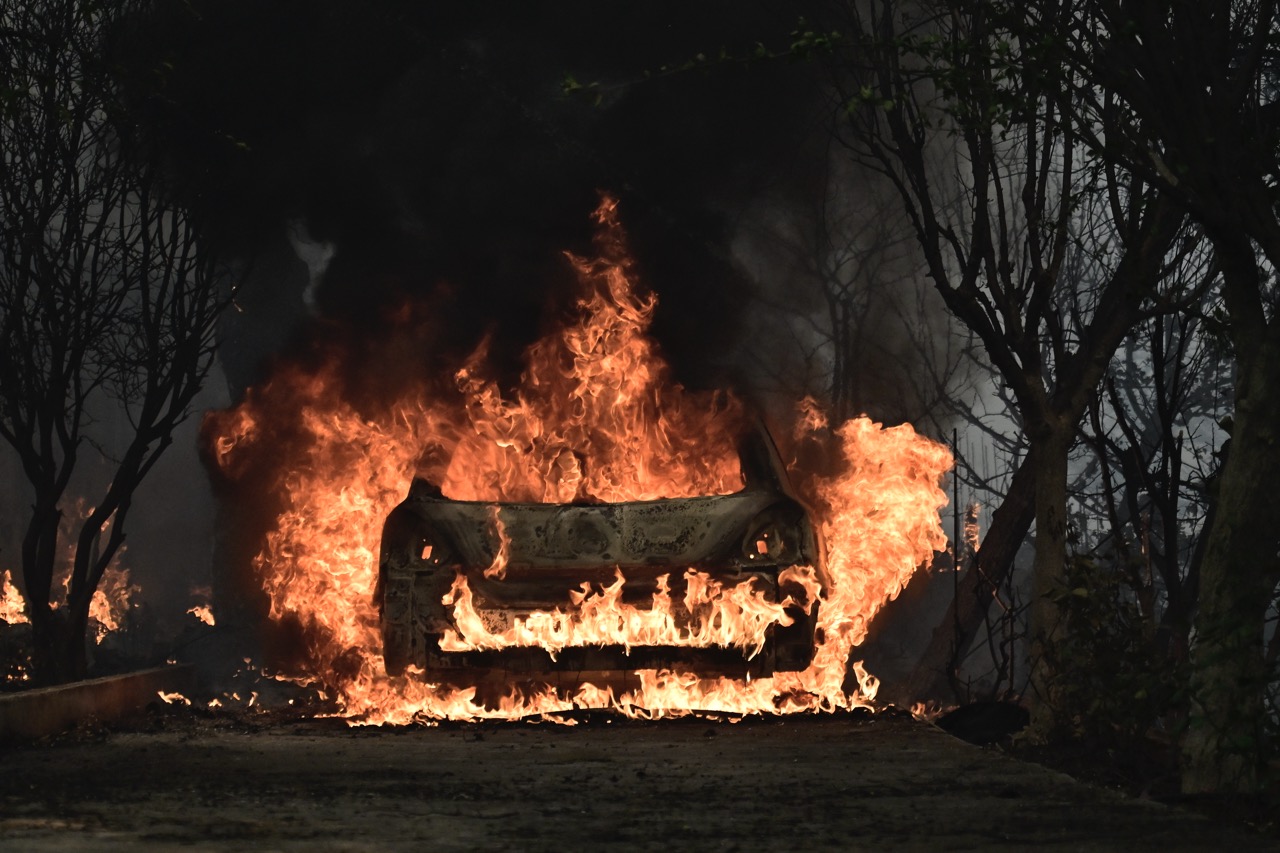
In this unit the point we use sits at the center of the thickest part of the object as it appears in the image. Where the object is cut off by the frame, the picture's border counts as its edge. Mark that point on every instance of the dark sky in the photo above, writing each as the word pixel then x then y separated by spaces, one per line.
pixel 435 148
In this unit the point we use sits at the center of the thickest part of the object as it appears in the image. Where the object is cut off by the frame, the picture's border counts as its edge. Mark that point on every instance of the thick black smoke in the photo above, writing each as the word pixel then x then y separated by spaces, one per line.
pixel 368 162
pixel 433 147
pixel 426 161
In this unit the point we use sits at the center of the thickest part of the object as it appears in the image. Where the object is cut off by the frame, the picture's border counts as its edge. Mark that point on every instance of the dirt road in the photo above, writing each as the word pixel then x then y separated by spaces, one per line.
pixel 834 783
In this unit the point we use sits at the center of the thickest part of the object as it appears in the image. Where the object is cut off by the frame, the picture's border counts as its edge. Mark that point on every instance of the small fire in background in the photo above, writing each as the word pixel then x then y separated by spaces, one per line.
pixel 15 653
pixel 112 601
pixel 596 417
pixel 972 531
pixel 108 609
pixel 13 609
pixel 120 626
pixel 204 613
pixel 115 597
pixel 203 610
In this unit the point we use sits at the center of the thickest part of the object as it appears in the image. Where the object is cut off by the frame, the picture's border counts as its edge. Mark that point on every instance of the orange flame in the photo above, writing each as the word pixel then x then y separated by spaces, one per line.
pixel 972 530
pixel 111 601
pixel 596 418
pixel 13 608
pixel 204 613
pixel 115 594
pixel 712 615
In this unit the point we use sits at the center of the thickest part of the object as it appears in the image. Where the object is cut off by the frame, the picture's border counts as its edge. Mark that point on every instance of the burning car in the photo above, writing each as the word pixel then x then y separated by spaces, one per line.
pixel 722 584
pixel 595 536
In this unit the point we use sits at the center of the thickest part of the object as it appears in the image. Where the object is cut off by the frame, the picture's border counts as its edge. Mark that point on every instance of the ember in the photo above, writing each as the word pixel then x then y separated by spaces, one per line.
pixel 204 613
pixel 596 420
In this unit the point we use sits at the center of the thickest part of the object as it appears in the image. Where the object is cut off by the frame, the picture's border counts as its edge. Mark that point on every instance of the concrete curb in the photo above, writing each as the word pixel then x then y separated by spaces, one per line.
pixel 49 710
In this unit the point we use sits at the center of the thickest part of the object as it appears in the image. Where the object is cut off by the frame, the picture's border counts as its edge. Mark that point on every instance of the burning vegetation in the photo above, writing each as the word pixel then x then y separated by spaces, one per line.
pixel 595 421
pixel 113 599
pixel 110 610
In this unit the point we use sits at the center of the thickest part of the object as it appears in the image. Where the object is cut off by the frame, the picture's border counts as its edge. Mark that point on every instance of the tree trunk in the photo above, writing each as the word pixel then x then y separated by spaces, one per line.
pixel 1049 447
pixel 1238 577
pixel 58 637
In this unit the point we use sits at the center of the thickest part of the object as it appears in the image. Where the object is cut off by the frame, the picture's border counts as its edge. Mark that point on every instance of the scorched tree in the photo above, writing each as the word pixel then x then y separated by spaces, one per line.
pixel 108 302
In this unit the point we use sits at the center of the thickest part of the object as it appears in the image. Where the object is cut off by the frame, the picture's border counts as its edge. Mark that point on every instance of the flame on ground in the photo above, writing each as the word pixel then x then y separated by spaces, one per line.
pixel 596 418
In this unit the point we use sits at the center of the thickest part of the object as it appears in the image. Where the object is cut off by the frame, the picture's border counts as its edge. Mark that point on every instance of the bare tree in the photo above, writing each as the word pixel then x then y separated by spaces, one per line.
pixel 1152 447
pixel 1184 94
pixel 865 331
pixel 984 153
pixel 108 300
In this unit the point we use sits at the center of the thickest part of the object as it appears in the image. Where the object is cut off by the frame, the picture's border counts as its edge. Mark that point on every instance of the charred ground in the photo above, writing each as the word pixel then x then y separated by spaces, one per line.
pixel 279 779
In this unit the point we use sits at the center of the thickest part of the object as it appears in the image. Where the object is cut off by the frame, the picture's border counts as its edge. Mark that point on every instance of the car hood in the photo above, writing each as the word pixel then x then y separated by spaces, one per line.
pixel 676 532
